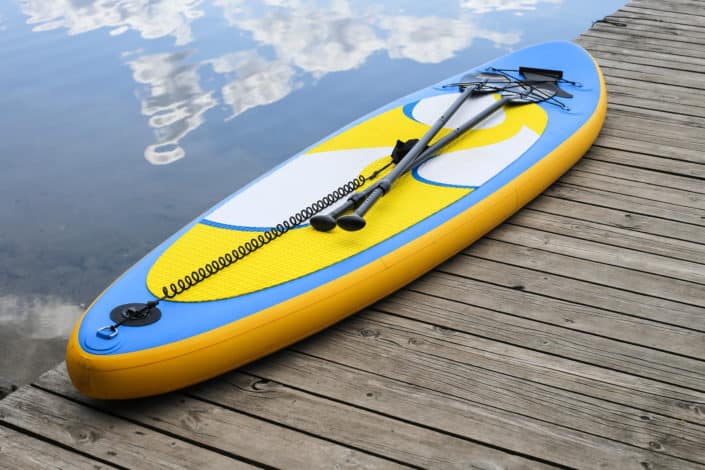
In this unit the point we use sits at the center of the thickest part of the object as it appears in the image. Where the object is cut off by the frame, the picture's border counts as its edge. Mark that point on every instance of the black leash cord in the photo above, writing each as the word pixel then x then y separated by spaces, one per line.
pixel 218 264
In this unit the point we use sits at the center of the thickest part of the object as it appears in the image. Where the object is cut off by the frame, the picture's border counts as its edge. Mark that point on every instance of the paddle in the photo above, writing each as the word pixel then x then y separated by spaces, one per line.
pixel 540 85
pixel 325 222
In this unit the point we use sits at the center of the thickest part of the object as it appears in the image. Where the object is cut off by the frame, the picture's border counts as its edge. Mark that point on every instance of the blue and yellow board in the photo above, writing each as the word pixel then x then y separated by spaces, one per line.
pixel 308 280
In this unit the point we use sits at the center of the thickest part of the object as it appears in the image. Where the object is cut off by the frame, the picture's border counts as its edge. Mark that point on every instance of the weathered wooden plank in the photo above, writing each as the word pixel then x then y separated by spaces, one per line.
pixel 619 31
pixel 496 270
pixel 644 104
pixel 458 416
pixel 21 452
pixel 632 54
pixel 650 177
pixel 644 168
pixel 660 145
pixel 615 139
pixel 691 9
pixel 678 199
pixel 609 317
pixel 654 99
pixel 634 30
pixel 639 120
pixel 642 160
pixel 639 100
pixel 550 355
pixel 649 22
pixel 632 204
pixel 626 138
pixel 691 254
pixel 660 122
pixel 682 45
pixel 657 10
pixel 613 328
pixel 629 98
pixel 423 446
pixel 677 190
pixel 679 235
pixel 447 362
pixel 668 22
pixel 648 74
pixel 645 44
pixel 648 70
pixel 689 37
pixel 685 278
pixel 108 438
pixel 655 82
pixel 598 272
pixel 652 169
pixel 694 5
pixel 656 141
pixel 616 284
pixel 657 22
pixel 309 413
pixel 211 425
pixel 545 264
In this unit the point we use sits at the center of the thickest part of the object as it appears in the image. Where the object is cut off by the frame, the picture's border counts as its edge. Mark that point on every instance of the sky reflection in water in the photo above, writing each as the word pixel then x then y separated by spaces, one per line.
pixel 210 94
pixel 293 41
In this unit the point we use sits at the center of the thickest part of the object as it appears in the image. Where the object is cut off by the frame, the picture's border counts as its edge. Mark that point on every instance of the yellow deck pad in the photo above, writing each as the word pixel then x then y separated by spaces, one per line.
pixel 303 250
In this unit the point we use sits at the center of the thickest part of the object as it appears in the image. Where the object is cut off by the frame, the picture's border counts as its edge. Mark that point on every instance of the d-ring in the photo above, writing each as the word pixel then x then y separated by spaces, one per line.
pixel 102 331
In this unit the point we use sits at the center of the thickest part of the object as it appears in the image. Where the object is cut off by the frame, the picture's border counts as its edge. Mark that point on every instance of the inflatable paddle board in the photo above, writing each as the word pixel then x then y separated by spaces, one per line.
pixel 239 283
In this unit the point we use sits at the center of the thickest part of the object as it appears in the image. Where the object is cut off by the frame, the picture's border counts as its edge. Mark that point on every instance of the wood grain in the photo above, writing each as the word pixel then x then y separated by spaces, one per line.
pixel 14 454
pixel 439 360
pixel 104 436
pixel 211 425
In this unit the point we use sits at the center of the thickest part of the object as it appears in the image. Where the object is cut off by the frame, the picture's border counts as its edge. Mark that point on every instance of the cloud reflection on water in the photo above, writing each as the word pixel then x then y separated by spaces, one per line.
pixel 39 317
pixel 488 6
pixel 150 18
pixel 259 81
pixel 295 40
pixel 173 99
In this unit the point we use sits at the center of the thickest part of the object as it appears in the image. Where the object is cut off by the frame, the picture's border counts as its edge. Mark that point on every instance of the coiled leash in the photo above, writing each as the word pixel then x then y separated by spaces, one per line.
pixel 137 314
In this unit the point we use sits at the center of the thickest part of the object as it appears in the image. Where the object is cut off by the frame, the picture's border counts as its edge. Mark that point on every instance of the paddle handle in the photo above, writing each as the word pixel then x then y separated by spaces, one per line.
pixel 327 222
pixel 356 220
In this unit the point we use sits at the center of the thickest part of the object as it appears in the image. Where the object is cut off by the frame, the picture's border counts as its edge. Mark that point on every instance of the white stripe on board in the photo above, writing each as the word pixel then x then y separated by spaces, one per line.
pixel 475 166
pixel 294 186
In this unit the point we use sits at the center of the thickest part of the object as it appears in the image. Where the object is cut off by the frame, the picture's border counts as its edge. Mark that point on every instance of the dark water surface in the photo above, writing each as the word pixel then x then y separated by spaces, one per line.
pixel 120 121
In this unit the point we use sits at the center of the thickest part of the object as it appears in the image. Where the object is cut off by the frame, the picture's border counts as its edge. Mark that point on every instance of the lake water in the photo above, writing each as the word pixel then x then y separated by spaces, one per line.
pixel 120 121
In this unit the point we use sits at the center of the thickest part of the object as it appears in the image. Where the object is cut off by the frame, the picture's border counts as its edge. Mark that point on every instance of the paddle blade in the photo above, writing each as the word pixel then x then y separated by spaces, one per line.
pixel 545 79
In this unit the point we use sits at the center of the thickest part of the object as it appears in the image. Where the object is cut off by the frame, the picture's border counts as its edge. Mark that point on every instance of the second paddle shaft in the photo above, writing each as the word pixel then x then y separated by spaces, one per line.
pixel 448 138
pixel 403 166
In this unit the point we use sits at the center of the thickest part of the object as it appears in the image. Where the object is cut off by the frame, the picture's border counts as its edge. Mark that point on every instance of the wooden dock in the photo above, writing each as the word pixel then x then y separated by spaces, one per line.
pixel 571 336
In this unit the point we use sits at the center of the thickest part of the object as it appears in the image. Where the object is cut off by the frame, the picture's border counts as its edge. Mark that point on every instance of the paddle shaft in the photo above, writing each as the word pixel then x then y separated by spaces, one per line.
pixel 466 126
pixel 405 164
pixel 325 222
